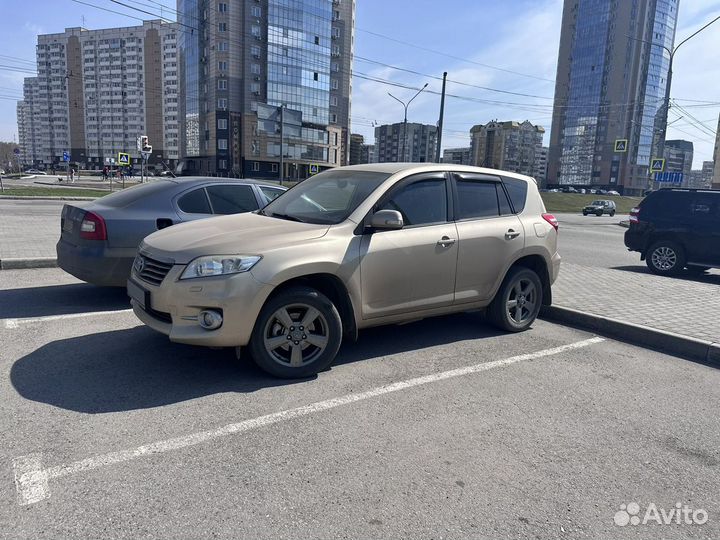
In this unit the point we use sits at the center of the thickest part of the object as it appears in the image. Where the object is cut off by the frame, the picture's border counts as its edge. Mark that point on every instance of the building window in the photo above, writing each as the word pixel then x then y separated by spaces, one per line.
pixel 256 166
pixel 335 138
pixel 222 144
pixel 255 88
pixel 336 15
pixel 222 7
pixel 222 123
pixel 274 167
pixel 255 51
pixel 255 30
pixel 334 84
pixel 255 69
pixel 222 65
pixel 333 101
pixel 222 164
pixel 222 46
pixel 222 84
pixel 222 103
pixel 256 11
pixel 222 27
pixel 335 156
pixel 336 50
pixel 336 32
pixel 317 40
pixel 316 76
pixel 335 66
pixel 333 118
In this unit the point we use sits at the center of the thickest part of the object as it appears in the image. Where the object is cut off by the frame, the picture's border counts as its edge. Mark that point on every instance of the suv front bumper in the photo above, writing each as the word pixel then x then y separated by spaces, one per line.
pixel 175 305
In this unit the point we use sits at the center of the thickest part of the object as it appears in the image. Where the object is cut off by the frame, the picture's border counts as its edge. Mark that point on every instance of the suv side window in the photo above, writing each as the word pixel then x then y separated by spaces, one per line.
pixel 478 199
pixel 517 190
pixel 668 203
pixel 270 193
pixel 232 199
pixel 706 205
pixel 195 202
pixel 422 202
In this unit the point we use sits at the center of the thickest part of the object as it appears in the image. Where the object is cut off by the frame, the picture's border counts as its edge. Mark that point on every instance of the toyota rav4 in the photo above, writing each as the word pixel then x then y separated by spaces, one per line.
pixel 347 249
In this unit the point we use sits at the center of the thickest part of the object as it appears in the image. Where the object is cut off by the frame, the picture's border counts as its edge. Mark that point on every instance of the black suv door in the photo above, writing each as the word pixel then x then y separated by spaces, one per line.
pixel 704 235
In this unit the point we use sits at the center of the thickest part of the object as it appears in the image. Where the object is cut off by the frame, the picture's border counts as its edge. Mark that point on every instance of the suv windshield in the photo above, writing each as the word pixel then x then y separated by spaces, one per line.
pixel 327 198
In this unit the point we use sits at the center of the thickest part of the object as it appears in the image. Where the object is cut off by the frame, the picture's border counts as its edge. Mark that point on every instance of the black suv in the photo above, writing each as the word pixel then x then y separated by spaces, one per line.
pixel 677 228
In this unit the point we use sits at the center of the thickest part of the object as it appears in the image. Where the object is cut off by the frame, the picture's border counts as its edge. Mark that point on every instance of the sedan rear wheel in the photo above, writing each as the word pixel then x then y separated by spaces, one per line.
pixel 297 334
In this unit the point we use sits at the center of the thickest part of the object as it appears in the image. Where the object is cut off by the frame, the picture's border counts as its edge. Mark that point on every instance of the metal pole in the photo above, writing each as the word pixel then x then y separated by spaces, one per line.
pixel 440 122
pixel 405 106
pixel 282 150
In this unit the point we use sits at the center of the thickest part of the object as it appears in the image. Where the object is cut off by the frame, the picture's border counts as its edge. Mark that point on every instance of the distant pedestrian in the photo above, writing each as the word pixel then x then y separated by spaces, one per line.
pixel 105 173
pixel 72 175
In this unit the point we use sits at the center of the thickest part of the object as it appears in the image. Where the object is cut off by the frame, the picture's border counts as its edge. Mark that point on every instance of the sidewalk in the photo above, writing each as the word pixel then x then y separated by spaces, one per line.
pixel 685 305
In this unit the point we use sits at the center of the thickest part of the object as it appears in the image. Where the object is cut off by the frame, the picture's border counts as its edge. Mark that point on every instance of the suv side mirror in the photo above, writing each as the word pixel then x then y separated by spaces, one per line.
pixel 387 220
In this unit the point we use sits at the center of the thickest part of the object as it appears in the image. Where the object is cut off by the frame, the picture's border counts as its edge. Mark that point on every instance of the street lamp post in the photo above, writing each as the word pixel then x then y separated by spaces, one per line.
pixel 405 106
pixel 660 147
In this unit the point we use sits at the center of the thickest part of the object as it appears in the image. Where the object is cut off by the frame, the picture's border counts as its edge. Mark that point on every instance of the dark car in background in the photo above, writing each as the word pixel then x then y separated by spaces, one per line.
pixel 99 239
pixel 599 208
pixel 677 228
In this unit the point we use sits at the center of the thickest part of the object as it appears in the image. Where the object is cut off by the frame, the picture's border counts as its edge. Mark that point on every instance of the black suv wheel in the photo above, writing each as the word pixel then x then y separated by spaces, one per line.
pixel 665 258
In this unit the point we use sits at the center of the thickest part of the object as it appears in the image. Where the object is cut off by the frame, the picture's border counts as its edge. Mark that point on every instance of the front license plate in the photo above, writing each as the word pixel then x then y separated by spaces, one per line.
pixel 137 293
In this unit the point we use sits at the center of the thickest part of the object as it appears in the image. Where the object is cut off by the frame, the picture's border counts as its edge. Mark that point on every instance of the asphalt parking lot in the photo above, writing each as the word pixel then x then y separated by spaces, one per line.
pixel 444 428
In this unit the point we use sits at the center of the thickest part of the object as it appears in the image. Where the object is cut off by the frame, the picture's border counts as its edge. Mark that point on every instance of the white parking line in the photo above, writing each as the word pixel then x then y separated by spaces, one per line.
pixel 15 323
pixel 32 481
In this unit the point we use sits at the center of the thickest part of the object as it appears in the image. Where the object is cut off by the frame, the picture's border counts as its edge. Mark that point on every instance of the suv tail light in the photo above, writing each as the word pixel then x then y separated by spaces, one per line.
pixel 93 227
pixel 552 220
pixel 635 215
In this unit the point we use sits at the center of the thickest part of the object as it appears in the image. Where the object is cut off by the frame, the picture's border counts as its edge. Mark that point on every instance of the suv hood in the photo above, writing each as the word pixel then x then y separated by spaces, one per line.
pixel 247 234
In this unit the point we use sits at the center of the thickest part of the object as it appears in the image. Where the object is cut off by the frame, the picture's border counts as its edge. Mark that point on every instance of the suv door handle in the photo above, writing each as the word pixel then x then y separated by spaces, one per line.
pixel 510 234
pixel 446 241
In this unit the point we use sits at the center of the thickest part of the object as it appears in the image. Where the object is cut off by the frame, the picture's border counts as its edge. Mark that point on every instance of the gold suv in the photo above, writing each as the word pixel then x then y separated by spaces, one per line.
pixel 347 249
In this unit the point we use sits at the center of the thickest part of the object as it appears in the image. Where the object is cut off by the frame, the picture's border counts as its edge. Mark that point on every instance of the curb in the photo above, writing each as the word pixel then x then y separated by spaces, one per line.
pixel 27 263
pixel 666 342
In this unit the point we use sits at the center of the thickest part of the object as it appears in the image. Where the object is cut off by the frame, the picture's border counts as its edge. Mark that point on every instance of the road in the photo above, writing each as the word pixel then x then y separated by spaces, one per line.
pixel 594 241
pixel 444 428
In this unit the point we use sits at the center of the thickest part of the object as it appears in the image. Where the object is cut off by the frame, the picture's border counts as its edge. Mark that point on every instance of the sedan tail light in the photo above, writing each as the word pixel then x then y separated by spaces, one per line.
pixel 93 227
pixel 552 220
pixel 635 215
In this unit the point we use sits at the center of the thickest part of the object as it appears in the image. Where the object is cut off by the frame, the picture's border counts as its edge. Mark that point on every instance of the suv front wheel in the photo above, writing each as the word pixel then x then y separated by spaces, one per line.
pixel 665 258
pixel 517 303
pixel 297 334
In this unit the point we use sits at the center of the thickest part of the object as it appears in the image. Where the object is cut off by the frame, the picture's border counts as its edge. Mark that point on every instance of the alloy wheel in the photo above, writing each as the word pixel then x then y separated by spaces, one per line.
pixel 296 335
pixel 664 258
pixel 521 301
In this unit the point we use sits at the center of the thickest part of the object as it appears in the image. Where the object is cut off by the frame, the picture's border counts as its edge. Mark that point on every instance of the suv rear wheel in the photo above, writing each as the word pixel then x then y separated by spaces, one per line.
pixel 517 303
pixel 297 334
pixel 665 258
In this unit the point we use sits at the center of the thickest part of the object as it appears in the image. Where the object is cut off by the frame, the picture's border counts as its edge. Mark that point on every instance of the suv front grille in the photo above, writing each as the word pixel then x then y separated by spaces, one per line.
pixel 151 270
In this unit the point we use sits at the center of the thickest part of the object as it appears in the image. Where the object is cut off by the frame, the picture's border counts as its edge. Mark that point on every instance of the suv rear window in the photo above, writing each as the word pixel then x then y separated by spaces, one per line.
pixel 517 190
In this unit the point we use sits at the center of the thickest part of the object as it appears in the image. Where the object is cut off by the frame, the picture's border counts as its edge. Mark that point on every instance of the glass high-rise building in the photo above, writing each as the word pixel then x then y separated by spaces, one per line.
pixel 610 85
pixel 247 64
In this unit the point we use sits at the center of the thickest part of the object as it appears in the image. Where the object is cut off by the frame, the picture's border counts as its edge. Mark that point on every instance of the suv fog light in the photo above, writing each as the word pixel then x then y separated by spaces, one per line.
pixel 210 319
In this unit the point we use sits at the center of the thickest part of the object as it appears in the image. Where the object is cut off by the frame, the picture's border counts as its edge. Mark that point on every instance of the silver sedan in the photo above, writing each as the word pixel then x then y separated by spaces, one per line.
pixel 99 239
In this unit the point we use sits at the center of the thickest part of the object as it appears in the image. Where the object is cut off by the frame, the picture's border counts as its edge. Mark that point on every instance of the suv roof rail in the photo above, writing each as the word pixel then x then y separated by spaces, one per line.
pixel 688 189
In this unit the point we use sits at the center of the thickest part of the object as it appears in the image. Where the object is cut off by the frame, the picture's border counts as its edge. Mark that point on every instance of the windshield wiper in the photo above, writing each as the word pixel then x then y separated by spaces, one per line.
pixel 285 216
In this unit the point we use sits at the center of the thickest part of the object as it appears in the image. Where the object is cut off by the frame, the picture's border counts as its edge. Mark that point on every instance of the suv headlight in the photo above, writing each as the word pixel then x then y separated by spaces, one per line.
pixel 218 265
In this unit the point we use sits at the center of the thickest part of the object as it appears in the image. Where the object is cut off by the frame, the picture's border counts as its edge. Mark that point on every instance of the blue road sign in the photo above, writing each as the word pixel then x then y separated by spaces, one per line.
pixel 66 155
pixel 669 177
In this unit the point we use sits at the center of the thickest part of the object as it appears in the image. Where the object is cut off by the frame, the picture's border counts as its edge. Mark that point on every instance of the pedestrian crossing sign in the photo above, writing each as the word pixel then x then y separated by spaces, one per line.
pixel 657 165
pixel 123 159
pixel 621 145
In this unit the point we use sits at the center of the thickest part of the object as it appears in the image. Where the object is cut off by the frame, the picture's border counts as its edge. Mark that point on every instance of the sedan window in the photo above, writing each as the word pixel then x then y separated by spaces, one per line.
pixel 271 193
pixel 195 202
pixel 232 199
pixel 420 203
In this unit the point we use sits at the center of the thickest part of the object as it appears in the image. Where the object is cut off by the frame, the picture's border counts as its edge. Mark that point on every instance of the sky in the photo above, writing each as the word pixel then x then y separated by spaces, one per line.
pixel 506 47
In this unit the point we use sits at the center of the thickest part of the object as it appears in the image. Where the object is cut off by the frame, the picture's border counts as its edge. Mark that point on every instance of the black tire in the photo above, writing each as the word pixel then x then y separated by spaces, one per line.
pixel 585 214
pixel 498 312
pixel 612 213
pixel 665 258
pixel 273 357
